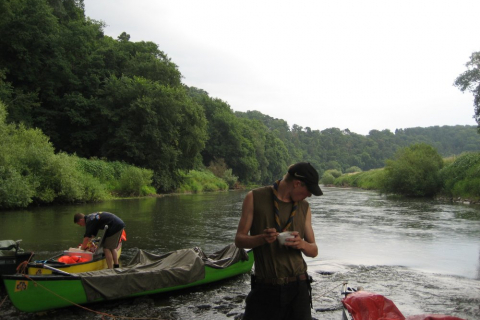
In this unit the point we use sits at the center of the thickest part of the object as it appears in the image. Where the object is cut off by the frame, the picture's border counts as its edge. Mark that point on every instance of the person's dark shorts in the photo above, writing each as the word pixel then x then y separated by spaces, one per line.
pixel 290 301
pixel 112 241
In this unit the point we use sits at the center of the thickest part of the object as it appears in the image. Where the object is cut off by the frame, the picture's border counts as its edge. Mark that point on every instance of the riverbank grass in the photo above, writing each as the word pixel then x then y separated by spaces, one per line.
pixel 201 181
pixel 369 180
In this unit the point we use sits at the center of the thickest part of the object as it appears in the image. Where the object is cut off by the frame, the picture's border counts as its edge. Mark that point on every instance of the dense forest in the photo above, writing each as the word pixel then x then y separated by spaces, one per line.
pixel 96 97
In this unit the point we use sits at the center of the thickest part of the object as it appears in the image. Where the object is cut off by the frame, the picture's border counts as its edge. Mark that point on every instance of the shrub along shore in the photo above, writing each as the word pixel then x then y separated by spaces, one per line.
pixel 417 172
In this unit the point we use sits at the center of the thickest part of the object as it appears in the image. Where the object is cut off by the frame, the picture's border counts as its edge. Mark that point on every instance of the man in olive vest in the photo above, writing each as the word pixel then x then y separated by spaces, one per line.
pixel 281 285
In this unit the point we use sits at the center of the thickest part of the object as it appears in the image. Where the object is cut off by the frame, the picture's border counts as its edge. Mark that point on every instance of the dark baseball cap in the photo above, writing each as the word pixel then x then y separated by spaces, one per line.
pixel 306 173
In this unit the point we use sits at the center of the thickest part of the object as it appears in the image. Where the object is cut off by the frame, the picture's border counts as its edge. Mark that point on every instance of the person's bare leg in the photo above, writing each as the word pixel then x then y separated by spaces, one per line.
pixel 109 257
pixel 115 256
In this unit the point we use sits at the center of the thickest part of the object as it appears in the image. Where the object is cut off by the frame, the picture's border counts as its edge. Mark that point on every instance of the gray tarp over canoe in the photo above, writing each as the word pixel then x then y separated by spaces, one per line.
pixel 147 271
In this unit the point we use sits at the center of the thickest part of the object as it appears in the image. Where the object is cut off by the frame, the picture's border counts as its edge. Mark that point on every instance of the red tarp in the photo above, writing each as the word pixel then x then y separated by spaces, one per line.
pixel 364 305
pixel 432 317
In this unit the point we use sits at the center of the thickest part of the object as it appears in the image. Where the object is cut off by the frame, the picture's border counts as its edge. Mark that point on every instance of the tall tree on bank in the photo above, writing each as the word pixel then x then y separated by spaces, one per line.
pixel 470 80
pixel 151 125
pixel 30 59
pixel 58 72
pixel 414 172
pixel 227 138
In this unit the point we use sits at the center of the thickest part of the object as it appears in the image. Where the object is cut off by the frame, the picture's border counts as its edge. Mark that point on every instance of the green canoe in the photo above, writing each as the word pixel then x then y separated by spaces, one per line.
pixel 145 274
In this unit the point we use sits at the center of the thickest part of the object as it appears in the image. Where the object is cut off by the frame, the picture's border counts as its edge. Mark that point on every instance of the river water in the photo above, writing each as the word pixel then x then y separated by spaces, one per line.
pixel 423 255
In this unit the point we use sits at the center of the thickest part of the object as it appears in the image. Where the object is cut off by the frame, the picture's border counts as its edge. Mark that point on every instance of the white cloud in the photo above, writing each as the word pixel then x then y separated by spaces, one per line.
pixel 360 65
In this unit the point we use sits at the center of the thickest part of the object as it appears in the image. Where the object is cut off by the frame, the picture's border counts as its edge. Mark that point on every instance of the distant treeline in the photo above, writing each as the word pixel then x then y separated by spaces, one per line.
pixel 96 97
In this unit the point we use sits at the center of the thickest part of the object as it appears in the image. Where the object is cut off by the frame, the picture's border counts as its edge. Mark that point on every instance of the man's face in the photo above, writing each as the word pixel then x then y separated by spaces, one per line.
pixel 81 222
pixel 300 191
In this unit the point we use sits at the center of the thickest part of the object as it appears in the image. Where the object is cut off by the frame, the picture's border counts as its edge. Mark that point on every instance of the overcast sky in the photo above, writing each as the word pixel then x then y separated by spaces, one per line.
pixel 353 64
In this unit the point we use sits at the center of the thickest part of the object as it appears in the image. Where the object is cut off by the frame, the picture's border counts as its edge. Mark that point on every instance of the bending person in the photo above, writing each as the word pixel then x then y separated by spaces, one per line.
pixel 96 221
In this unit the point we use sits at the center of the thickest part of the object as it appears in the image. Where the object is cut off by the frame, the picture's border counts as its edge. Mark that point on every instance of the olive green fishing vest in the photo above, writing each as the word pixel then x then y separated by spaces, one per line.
pixel 271 259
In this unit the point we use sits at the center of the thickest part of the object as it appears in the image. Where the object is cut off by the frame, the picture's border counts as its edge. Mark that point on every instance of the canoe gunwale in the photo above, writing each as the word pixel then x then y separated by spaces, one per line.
pixel 97 258
pixel 57 264
pixel 34 278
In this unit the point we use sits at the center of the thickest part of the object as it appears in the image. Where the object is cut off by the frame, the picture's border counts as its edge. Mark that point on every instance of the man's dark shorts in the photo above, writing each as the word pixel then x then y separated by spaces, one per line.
pixel 112 241
pixel 290 301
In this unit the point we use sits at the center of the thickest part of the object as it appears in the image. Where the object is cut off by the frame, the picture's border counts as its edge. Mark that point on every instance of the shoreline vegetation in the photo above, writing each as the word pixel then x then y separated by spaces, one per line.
pixel 416 173
pixel 33 174
pixel 50 178
pixel 86 117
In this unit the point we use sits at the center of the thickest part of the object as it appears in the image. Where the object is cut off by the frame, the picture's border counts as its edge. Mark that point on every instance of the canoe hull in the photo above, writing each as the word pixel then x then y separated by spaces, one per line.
pixel 40 293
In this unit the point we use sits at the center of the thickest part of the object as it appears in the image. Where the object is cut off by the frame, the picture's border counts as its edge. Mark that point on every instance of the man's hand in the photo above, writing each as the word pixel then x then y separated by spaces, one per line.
pixel 270 235
pixel 296 242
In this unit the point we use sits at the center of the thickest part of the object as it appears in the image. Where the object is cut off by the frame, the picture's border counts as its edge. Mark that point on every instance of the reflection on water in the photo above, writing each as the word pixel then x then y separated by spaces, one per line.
pixel 423 255
pixel 351 226
pixel 363 227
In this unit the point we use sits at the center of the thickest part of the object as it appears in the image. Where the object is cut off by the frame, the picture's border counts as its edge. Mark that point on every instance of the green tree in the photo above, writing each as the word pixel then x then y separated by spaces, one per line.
pixel 149 62
pixel 277 156
pixel 414 171
pixel 470 80
pixel 152 126
pixel 28 38
pixel 270 138
pixel 229 138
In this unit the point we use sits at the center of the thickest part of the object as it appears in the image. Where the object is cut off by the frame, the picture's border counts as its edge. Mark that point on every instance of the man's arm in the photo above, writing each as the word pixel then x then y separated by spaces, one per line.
pixel 242 238
pixel 84 243
pixel 91 229
pixel 306 245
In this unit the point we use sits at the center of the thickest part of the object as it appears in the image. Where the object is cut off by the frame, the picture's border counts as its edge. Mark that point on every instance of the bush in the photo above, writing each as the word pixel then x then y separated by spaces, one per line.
pixel 199 181
pixel 219 169
pixel 24 155
pixel 119 177
pixel 15 191
pixel 327 178
pixel 353 170
pixel 230 178
pixel 92 189
pixel 462 177
pixel 370 180
pixel 334 172
pixel 346 180
pixel 30 171
pixel 133 180
pixel 148 190
pixel 468 188
pixel 102 170
pixel 60 180
pixel 415 172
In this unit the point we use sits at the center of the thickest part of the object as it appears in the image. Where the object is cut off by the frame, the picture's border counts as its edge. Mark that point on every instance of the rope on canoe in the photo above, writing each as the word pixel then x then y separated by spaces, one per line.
pixel 1 304
pixel 103 314
pixel 22 267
